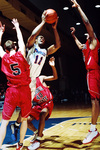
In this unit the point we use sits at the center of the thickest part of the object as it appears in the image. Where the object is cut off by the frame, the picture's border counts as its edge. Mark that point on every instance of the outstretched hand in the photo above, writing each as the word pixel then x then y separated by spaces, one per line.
pixel 52 61
pixel 44 14
pixel 72 30
pixel 15 23
pixel 75 4
pixel 2 28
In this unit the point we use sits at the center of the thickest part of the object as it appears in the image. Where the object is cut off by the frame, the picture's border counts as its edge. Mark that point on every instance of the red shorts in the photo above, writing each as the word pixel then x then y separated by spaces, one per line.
pixel 20 96
pixel 93 80
pixel 36 110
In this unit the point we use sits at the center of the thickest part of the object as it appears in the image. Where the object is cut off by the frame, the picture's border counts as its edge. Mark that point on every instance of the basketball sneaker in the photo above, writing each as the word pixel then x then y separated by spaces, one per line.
pixel 19 146
pixel 91 136
pixel 14 131
pixel 34 146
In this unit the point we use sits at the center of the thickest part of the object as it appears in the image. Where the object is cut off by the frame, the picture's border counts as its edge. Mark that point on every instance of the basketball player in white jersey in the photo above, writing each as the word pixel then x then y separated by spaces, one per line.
pixel 37 53
pixel 36 58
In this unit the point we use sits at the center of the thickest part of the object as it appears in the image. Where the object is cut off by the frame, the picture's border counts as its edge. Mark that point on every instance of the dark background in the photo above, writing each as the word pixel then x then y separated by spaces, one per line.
pixel 71 84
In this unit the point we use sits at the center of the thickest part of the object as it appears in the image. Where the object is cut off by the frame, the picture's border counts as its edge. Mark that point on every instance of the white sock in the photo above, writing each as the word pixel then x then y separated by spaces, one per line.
pixel 17 124
pixel 93 127
pixel 38 138
pixel 35 131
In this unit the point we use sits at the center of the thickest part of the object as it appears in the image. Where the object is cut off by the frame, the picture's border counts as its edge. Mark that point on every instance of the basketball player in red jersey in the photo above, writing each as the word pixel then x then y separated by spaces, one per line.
pixel 44 105
pixel 90 56
pixel 18 93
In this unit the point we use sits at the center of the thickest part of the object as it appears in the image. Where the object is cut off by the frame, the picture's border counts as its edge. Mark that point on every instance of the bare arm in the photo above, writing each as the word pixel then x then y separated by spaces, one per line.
pixel 53 48
pixel 2 29
pixel 21 44
pixel 54 76
pixel 78 43
pixel 36 32
pixel 85 20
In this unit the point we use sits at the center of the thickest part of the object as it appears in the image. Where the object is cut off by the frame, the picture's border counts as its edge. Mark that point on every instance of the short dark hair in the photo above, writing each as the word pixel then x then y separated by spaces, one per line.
pixel 9 45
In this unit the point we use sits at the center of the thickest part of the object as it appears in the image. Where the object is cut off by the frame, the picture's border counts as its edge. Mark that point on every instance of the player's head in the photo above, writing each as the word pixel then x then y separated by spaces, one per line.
pixel 40 40
pixel 9 45
pixel 87 36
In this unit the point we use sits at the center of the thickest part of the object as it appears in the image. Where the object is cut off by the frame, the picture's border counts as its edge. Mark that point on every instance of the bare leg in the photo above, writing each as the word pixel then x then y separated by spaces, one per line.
pixel 43 115
pixel 93 133
pixel 95 111
pixel 23 129
pixel 3 129
pixel 37 139
pixel 30 124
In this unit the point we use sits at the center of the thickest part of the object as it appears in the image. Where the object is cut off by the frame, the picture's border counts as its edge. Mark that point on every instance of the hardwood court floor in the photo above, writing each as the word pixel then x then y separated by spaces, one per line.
pixel 67 135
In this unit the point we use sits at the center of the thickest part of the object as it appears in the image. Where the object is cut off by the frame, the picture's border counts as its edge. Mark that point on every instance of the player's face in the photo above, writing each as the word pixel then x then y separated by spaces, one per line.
pixel 40 40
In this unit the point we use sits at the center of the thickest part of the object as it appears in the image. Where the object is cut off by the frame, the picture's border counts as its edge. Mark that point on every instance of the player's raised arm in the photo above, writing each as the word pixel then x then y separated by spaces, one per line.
pixel 36 31
pixel 2 29
pixel 85 19
pixel 54 71
pixel 78 43
pixel 21 44
pixel 53 48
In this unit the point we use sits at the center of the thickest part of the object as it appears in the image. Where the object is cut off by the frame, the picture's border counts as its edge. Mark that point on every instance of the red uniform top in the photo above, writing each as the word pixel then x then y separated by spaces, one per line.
pixel 42 93
pixel 16 69
pixel 91 57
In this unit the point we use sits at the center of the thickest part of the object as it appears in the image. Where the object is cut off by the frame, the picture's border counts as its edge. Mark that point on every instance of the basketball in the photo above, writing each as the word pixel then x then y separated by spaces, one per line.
pixel 51 16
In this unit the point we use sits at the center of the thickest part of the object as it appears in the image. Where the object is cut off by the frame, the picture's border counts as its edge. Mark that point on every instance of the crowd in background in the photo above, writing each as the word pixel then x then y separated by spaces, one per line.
pixel 2 91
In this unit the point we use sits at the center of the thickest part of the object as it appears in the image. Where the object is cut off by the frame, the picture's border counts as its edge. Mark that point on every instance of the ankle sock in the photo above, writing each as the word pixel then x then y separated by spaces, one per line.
pixel 38 138
pixel 35 131
pixel 93 127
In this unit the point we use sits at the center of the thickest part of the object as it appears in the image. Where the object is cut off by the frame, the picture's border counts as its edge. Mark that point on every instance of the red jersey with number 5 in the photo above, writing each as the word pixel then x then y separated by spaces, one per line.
pixel 16 69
